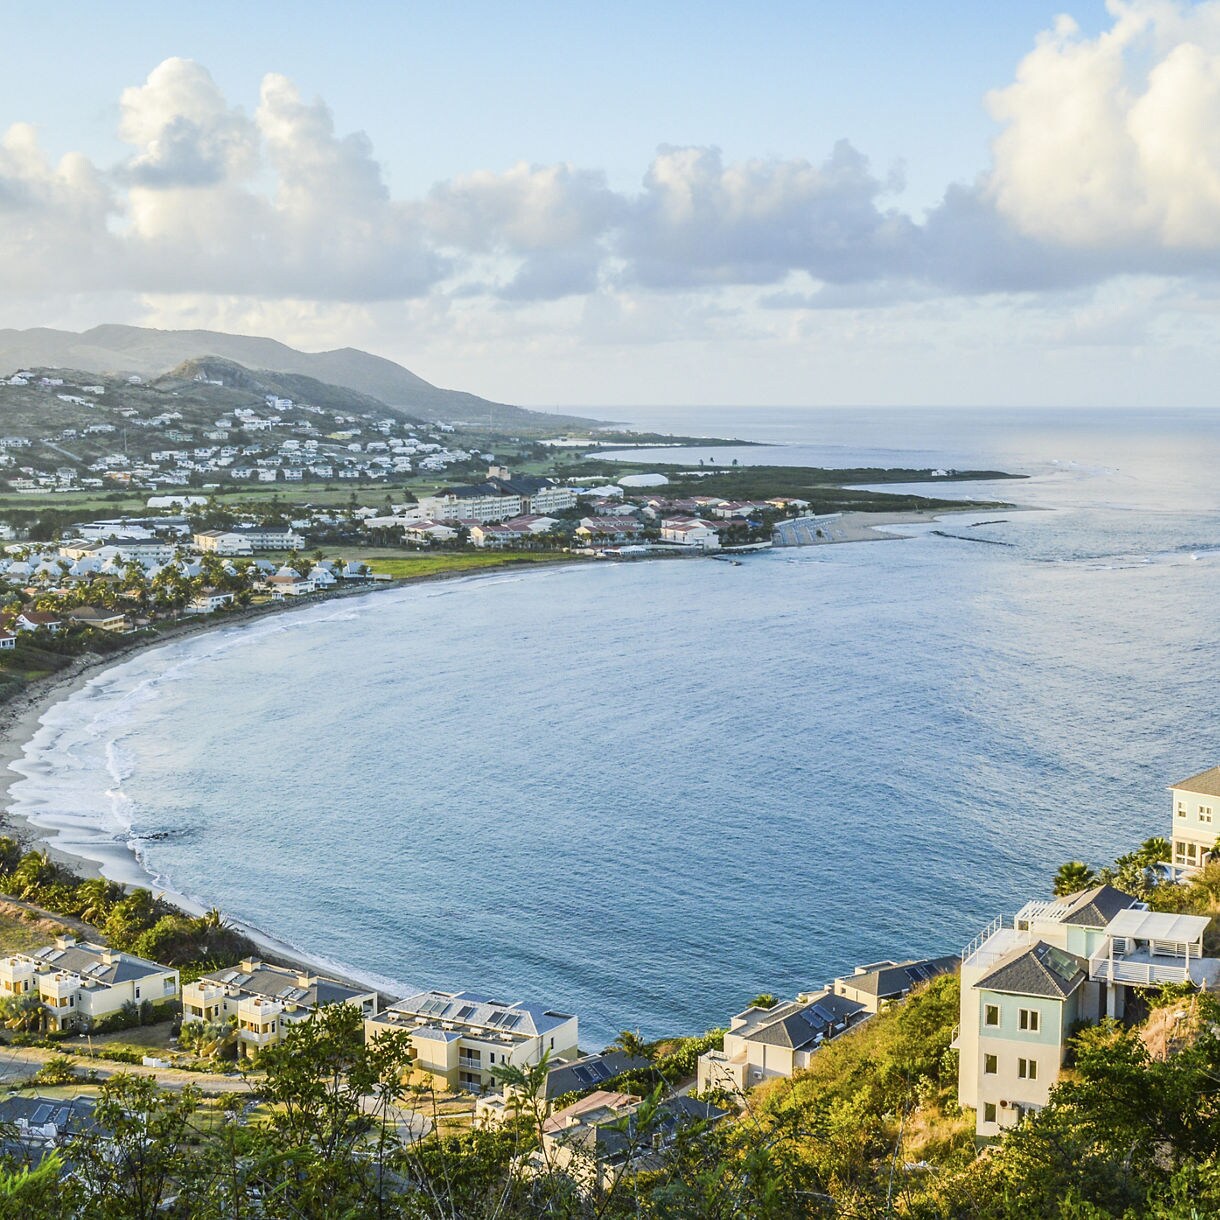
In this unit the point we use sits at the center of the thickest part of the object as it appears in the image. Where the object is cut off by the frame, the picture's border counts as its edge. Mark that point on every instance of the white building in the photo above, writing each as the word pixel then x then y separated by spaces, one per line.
pixel 1196 801
pixel 690 531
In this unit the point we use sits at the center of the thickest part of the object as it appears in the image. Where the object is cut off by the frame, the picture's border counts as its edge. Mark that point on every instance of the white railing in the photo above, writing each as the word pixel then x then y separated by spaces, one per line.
pixel 998 924
pixel 1123 970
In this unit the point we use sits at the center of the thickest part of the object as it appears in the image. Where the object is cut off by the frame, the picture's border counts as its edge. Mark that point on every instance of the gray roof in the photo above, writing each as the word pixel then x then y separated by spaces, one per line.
pixel 797 1024
pixel 1206 783
pixel 1096 907
pixel 87 960
pixel 280 983
pixel 888 979
pixel 591 1072
pixel 465 1008
pixel 1037 970
pixel 615 1139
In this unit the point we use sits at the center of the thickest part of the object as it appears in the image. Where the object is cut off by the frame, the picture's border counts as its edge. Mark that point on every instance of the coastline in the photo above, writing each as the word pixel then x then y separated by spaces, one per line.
pixel 21 716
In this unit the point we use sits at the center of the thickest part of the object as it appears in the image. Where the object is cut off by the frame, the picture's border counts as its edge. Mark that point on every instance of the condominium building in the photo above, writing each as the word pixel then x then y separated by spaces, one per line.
pixel 79 982
pixel 1027 981
pixel 246 539
pixel 1196 802
pixel 484 502
pixel 265 1000
pixel 458 1039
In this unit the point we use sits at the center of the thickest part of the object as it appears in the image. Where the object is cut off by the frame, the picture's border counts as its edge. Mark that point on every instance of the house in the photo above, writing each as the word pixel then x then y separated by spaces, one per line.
pixel 457 1038
pixel 1029 980
pixel 101 619
pixel 604 1136
pixel 34 1126
pixel 690 531
pixel 79 982
pixel 288 582
pixel 209 600
pixel 578 1076
pixel 7 639
pixel 607 529
pixel 1195 803
pixel 428 531
pixel 265 1001
pixel 35 620
pixel 883 983
pixel 762 1043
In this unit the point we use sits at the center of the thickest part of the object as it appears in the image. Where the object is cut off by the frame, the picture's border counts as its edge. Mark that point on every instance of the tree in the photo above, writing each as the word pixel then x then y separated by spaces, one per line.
pixel 631 1044
pixel 138 1156
pixel 765 1000
pixel 1073 877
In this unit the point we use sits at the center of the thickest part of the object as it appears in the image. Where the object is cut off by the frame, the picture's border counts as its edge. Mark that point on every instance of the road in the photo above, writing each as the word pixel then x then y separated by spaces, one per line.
pixel 21 1062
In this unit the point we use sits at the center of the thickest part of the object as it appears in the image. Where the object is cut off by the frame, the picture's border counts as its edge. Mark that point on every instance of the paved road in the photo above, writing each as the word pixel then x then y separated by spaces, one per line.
pixel 21 1062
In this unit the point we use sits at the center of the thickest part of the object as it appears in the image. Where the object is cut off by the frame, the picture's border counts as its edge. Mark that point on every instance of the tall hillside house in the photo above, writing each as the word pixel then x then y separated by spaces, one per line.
pixel 1196 801
pixel 762 1043
pixel 266 1000
pixel 1026 981
pixel 458 1038
pixel 79 982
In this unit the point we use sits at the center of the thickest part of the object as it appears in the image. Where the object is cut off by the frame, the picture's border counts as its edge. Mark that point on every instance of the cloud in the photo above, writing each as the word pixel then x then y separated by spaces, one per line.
pixel 1112 143
pixel 1106 164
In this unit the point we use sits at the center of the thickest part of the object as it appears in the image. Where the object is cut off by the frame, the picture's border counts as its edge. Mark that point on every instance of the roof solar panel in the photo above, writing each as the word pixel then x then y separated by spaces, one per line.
pixel 466 1011
pixel 42 1114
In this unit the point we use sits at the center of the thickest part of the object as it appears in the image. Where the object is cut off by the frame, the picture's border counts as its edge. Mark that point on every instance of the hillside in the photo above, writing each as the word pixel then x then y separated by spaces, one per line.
pixel 122 350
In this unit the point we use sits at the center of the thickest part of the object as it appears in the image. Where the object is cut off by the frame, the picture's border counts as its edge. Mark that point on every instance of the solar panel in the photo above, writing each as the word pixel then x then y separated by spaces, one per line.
pixel 510 1019
pixel 42 1114
pixel 466 1012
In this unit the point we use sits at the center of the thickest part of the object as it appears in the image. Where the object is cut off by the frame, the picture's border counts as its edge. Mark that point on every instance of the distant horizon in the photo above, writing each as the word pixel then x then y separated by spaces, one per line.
pixel 802 203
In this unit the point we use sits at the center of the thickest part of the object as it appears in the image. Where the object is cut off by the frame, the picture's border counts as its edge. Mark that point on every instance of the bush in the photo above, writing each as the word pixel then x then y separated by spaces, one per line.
pixel 59 1069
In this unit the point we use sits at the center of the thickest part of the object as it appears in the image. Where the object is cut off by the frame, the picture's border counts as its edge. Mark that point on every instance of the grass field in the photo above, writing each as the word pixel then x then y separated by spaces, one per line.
pixel 22 930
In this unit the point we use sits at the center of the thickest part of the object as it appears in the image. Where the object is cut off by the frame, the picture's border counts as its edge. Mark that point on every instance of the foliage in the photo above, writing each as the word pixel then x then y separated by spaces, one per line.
pixel 1073 877
pixel 59 1069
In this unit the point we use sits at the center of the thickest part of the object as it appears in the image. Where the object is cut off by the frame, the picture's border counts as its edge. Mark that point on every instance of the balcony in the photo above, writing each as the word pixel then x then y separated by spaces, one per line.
pixel 1152 949
pixel 472 1065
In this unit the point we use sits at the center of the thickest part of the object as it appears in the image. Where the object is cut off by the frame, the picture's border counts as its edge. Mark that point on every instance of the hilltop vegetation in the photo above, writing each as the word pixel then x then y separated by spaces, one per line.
pixel 122 350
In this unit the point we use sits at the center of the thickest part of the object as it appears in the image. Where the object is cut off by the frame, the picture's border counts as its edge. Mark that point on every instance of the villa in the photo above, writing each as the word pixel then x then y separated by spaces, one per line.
pixel 209 600
pixel 1030 980
pixel 265 1000
pixel 691 532
pixel 79 982
pixel 1195 801
pixel 597 1139
pixel 102 619
pixel 762 1043
pixel 458 1039
pixel 882 983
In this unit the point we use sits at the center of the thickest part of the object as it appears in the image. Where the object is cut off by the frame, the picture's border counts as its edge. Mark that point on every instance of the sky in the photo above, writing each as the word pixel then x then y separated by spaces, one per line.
pixel 638 203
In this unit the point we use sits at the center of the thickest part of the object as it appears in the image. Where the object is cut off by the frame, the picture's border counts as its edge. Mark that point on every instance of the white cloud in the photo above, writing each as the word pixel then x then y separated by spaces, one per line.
pixel 1113 142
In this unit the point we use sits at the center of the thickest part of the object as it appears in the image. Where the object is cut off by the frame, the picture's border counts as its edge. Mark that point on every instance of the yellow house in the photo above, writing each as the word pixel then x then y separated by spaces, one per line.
pixel 458 1039
pixel 266 1001
pixel 78 982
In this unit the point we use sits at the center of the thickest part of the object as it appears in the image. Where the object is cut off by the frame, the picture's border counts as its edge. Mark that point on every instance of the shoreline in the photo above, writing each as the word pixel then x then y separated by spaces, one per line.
pixel 21 716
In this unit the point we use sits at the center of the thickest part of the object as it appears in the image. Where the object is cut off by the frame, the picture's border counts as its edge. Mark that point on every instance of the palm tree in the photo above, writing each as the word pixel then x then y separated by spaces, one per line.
pixel 96 897
pixel 35 871
pixel 1073 877
pixel 630 1044
pixel 1155 850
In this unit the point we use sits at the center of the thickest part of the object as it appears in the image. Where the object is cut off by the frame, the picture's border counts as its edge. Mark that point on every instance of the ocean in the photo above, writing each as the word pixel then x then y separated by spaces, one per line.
pixel 646 792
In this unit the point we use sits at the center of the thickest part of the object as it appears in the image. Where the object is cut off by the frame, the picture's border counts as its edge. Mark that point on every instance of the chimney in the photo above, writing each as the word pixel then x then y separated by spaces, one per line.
pixel 250 964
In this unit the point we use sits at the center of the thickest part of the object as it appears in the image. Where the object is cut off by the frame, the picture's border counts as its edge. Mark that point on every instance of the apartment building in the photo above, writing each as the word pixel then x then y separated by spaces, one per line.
pixel 458 1038
pixel 266 1000
pixel 1027 980
pixel 690 531
pixel 246 539
pixel 485 502
pixel 1196 802
pixel 79 982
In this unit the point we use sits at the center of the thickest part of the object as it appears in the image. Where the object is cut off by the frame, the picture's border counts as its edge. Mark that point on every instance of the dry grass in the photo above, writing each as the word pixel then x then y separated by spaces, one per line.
pixel 22 930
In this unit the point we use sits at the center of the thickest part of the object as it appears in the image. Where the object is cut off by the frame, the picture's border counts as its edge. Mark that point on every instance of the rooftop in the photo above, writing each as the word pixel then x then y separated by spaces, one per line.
pixel 1038 969
pixel 1206 783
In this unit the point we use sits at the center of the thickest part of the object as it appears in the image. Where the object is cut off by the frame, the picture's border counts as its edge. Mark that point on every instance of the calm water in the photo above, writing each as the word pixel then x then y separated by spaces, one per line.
pixel 647 792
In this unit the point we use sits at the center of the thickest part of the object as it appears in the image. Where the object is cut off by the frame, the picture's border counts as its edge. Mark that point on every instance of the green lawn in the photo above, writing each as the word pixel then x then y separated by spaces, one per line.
pixel 402 565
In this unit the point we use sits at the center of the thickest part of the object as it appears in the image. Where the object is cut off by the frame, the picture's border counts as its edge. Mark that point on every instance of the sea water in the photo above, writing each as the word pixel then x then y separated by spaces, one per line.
pixel 646 792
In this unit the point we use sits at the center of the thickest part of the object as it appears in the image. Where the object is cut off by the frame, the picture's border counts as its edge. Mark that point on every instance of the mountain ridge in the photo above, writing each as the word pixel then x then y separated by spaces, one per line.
pixel 114 347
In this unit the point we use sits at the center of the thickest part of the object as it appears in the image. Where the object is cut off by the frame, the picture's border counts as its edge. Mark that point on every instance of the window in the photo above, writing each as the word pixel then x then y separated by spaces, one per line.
pixel 990 1065
pixel 991 1014
pixel 989 1111
pixel 1027 1069
pixel 1029 1019
pixel 1181 809
pixel 1205 813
